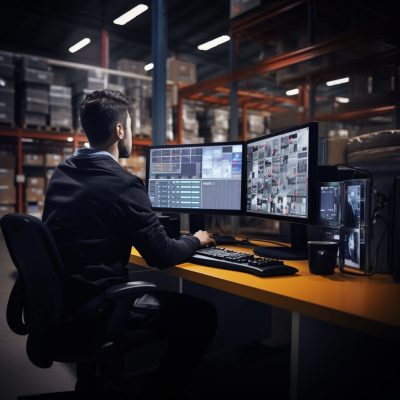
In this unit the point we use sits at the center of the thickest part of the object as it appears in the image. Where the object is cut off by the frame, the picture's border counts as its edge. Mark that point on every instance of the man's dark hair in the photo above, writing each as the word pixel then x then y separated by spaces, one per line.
pixel 100 112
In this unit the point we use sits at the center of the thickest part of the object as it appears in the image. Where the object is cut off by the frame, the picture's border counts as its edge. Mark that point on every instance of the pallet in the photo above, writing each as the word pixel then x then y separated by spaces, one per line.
pixel 33 127
pixel 59 129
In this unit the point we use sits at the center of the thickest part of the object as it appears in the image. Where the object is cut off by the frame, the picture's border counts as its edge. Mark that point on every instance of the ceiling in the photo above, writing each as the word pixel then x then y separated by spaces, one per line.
pixel 49 27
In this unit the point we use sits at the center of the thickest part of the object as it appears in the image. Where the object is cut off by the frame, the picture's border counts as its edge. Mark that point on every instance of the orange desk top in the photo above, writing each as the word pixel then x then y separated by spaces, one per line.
pixel 368 304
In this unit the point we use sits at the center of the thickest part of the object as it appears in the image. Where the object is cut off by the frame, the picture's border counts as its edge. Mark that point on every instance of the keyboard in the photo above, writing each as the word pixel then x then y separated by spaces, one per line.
pixel 220 257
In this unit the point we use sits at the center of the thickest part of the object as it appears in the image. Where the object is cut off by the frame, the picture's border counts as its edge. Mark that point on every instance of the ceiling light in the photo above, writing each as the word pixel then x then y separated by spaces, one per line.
pixel 70 139
pixel 337 81
pixel 342 99
pixel 129 15
pixel 213 43
pixel 292 92
pixel 148 67
pixel 79 45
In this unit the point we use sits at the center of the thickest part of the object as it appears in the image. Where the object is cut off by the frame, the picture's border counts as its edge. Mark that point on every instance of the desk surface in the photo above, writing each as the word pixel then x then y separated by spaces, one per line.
pixel 368 304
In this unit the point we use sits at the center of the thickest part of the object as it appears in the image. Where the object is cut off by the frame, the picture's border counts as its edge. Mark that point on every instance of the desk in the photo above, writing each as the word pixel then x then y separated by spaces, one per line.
pixel 368 305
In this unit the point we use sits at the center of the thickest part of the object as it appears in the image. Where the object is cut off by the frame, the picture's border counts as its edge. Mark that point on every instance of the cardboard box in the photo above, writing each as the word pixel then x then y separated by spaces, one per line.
pixel 125 64
pixel 35 160
pixel 7 194
pixel 7 116
pixel 181 71
pixel 28 61
pixel 7 176
pixel 36 76
pixel 52 160
pixel 35 182
pixel 34 194
pixel 7 161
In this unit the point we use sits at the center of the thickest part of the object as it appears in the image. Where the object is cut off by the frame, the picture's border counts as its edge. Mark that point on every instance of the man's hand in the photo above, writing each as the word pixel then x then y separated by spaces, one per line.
pixel 205 238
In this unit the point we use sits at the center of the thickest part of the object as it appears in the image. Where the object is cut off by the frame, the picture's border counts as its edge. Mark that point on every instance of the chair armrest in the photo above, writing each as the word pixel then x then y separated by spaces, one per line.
pixel 130 289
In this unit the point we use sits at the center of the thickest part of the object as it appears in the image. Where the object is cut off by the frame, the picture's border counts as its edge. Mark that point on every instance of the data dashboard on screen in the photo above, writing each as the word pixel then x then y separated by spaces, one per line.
pixel 206 177
pixel 280 170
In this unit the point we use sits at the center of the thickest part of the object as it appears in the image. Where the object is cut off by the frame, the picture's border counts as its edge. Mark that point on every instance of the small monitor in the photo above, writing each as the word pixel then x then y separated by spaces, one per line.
pixel 196 178
pixel 282 184
pixel 330 203
pixel 356 221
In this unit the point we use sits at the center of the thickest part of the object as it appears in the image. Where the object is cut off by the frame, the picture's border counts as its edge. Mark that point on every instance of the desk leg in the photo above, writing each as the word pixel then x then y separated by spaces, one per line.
pixel 294 355
pixel 180 285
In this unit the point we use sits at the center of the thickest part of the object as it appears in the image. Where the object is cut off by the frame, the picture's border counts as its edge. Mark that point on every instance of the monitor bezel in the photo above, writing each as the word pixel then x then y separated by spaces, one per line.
pixel 312 194
pixel 201 210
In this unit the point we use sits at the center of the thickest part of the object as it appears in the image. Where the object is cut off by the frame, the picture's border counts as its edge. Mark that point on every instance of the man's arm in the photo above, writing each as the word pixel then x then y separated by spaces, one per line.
pixel 146 233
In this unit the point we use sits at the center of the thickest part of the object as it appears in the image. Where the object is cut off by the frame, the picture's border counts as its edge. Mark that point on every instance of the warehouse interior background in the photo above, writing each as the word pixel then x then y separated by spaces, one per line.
pixel 275 71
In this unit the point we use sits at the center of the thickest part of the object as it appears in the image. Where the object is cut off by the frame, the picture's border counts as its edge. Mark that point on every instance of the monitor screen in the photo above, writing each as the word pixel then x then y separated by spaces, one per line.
pixel 282 184
pixel 196 178
pixel 281 174
pixel 330 200
pixel 356 223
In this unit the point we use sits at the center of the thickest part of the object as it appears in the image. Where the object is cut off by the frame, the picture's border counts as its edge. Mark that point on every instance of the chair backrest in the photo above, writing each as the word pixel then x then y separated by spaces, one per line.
pixel 37 301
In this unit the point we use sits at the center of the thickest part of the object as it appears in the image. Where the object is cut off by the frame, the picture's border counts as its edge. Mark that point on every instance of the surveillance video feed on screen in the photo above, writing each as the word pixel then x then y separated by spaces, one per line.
pixel 330 200
pixel 354 234
pixel 277 171
pixel 352 248
pixel 196 177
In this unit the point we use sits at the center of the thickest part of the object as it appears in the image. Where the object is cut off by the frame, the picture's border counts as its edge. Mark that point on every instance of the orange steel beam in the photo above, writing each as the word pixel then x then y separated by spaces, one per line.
pixel 281 61
pixel 258 95
pixel 263 15
pixel 360 64
pixel 359 114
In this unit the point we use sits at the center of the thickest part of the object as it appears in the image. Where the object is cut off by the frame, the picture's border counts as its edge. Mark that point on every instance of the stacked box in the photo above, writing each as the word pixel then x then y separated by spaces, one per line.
pixel 181 71
pixel 34 78
pixel 7 179
pixel 127 65
pixel 256 125
pixel 190 123
pixel 7 89
pixel 34 195
pixel 60 107
pixel 214 124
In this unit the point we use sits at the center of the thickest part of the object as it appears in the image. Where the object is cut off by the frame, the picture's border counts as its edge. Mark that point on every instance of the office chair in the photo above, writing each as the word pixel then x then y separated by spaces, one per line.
pixel 37 307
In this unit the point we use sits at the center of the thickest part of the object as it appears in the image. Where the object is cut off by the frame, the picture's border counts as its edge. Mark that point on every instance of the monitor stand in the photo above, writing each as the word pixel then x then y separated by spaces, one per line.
pixel 196 222
pixel 297 250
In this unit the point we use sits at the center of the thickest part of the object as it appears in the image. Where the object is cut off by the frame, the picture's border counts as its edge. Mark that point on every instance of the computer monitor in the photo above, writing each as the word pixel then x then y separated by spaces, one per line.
pixel 282 184
pixel 196 178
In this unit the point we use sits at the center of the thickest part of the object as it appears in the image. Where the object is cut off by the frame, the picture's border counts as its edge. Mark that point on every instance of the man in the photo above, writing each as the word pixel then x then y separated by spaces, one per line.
pixel 97 211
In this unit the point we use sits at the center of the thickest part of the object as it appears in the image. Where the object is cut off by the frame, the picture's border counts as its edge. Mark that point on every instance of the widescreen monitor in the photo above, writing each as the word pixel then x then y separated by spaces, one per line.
pixel 282 183
pixel 196 178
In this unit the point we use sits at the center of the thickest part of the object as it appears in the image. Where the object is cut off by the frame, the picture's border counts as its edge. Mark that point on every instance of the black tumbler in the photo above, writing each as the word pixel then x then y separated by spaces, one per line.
pixel 322 256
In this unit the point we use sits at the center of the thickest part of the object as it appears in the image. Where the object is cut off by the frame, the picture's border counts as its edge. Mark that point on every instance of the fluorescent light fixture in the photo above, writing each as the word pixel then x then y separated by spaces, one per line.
pixel 337 81
pixel 129 15
pixel 148 67
pixel 342 99
pixel 213 43
pixel 292 92
pixel 70 139
pixel 79 45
